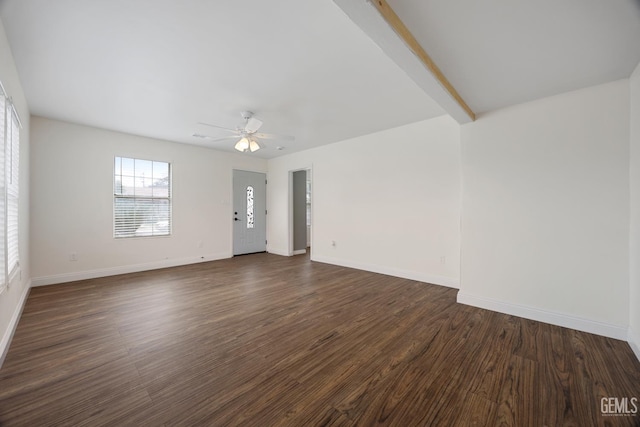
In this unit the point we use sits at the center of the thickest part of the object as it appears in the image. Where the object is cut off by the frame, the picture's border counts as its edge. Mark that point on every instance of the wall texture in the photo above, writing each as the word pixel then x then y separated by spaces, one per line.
pixel 545 204
pixel 634 235
pixel 391 210
pixel 12 299
pixel 72 202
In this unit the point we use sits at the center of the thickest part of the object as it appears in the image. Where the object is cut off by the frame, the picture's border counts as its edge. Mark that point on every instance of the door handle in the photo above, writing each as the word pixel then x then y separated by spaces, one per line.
pixel 236 219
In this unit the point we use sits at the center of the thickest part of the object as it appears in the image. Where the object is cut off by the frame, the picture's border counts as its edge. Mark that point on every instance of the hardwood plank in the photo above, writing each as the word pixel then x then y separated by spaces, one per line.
pixel 268 340
pixel 513 407
pixel 475 410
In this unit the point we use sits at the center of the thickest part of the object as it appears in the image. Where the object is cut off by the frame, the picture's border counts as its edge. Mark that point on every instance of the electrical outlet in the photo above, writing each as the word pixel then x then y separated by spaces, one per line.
pixel 333 243
pixel 443 260
pixel 73 256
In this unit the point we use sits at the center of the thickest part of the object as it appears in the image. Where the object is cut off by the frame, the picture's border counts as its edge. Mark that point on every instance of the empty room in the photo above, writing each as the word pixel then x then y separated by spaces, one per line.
pixel 322 212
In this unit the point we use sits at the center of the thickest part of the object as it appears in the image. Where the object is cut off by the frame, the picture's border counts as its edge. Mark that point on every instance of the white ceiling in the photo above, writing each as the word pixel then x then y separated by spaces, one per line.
pixel 498 53
pixel 157 67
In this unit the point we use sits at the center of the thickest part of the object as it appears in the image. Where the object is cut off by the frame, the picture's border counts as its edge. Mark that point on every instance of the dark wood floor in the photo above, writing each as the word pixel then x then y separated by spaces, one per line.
pixel 267 340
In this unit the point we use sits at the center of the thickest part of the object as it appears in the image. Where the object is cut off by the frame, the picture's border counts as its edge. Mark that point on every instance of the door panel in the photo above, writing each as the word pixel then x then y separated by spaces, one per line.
pixel 249 212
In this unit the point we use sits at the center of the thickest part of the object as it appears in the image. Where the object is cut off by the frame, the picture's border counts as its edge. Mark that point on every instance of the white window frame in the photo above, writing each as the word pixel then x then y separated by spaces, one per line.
pixel 10 126
pixel 13 198
pixel 157 230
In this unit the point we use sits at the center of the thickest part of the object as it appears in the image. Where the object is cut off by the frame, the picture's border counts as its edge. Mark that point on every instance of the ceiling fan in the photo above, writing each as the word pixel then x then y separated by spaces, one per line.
pixel 247 132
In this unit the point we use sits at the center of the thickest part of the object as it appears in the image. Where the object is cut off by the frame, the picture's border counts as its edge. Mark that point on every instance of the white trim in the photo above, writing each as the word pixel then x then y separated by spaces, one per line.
pixel 278 252
pixel 300 252
pixel 13 323
pixel 113 271
pixel 634 342
pixel 554 318
pixel 290 212
pixel 389 271
pixel 309 170
pixel 3 92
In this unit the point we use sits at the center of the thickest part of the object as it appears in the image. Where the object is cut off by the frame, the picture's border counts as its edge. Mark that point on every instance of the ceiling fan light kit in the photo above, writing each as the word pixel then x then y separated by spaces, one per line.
pixel 247 144
pixel 242 145
pixel 249 138
pixel 254 146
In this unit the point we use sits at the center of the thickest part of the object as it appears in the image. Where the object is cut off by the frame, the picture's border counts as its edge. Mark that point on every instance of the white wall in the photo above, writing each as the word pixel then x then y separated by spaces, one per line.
pixel 634 255
pixel 545 203
pixel 11 300
pixel 389 200
pixel 72 202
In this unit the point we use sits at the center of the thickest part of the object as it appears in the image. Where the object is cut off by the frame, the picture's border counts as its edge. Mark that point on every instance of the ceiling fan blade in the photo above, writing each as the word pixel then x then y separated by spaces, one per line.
pixel 252 125
pixel 274 136
pixel 215 139
pixel 220 127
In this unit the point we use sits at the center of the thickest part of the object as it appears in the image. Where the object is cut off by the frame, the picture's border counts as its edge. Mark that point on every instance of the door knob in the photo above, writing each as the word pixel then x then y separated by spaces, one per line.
pixel 236 219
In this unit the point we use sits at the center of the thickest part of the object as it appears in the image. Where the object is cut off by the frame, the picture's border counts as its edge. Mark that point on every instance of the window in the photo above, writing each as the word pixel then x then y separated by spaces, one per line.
pixel 13 191
pixel 249 207
pixel 9 189
pixel 141 198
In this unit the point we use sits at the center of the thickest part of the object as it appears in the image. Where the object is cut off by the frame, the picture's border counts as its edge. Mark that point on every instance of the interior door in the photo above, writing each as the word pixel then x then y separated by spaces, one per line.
pixel 249 212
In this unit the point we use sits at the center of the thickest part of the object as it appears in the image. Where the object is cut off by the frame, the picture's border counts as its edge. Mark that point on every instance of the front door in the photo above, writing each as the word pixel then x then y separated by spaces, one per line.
pixel 249 212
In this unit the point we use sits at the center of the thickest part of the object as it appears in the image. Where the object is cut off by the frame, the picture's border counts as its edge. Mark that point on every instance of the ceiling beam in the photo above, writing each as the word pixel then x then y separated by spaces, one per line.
pixel 378 21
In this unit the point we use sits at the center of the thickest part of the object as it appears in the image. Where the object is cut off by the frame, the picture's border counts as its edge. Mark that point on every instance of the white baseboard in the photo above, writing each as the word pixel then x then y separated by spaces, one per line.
pixel 13 323
pixel 634 342
pixel 276 251
pixel 285 252
pixel 554 318
pixel 113 271
pixel 390 271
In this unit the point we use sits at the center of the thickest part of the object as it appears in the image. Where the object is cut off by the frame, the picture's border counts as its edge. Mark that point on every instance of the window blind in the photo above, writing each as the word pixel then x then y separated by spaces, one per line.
pixel 4 112
pixel 141 198
pixel 9 189
pixel 13 192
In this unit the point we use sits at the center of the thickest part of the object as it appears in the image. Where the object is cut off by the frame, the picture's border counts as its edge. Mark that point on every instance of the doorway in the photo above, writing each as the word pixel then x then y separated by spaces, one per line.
pixel 249 212
pixel 301 211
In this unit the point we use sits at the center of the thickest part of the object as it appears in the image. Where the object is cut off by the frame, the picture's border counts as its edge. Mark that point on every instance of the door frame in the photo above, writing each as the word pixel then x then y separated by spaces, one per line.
pixel 290 250
pixel 229 203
